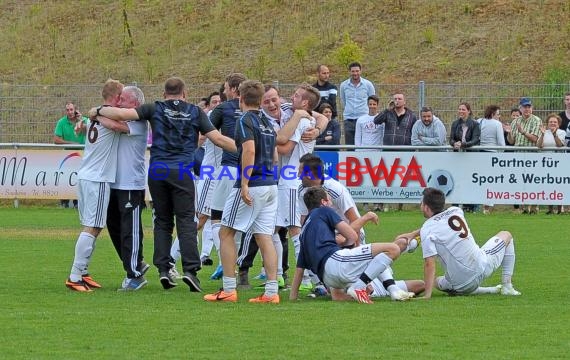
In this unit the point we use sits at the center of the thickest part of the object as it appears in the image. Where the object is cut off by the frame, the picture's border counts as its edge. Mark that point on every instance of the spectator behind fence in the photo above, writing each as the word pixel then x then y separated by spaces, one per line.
pixel 491 128
pixel 327 90
pixel 399 121
pixel 465 133
pixel 565 116
pixel 515 113
pixel 369 133
pixel 524 131
pixel 430 131
pixel 491 135
pixel 331 134
pixel 551 137
pixel 366 131
pixel 70 129
pixel 354 93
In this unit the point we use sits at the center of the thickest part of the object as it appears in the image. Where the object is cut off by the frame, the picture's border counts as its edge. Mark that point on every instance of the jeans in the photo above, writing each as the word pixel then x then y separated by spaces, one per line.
pixel 349 130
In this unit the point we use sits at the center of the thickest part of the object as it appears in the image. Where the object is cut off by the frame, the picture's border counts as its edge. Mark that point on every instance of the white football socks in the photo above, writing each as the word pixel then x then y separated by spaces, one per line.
pixel 175 250
pixel 487 290
pixel 296 245
pixel 229 283
pixel 216 238
pixel 508 263
pixel 279 250
pixel 84 248
pixel 271 287
pixel 207 241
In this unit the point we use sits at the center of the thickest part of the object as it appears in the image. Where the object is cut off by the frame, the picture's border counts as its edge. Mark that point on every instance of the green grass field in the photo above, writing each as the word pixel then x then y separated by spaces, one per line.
pixel 42 319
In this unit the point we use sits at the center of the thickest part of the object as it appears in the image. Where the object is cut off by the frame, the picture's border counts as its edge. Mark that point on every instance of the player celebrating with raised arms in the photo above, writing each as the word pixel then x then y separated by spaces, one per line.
pixel 446 236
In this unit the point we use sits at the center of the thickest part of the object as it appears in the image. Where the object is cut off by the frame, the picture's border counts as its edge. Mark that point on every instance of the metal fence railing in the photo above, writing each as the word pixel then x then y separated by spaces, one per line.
pixel 28 113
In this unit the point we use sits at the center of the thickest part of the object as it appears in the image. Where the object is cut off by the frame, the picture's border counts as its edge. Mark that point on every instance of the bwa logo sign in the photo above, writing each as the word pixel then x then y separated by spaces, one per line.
pixel 330 159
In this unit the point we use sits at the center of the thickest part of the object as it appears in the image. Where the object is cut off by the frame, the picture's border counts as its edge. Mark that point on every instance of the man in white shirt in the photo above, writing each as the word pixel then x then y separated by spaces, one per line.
pixel 291 148
pixel 124 214
pixel 367 132
pixel 445 236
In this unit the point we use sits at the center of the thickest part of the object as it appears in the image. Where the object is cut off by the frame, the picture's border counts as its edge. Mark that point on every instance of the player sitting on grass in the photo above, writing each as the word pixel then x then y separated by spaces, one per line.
pixel 446 236
pixel 340 261
pixel 312 173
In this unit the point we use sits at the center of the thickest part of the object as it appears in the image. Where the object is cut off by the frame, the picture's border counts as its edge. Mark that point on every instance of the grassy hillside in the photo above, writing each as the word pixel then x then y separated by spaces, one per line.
pixel 479 41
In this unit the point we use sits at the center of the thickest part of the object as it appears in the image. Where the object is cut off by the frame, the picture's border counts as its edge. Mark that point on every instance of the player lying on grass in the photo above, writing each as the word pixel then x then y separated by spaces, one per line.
pixel 340 261
pixel 446 236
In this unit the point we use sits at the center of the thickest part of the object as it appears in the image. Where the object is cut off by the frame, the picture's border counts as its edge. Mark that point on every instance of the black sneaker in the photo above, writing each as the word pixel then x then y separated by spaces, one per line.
pixel 207 261
pixel 192 281
pixel 166 281
pixel 144 268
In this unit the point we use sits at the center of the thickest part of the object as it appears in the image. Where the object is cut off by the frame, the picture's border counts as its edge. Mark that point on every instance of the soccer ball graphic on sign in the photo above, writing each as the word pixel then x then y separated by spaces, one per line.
pixel 441 180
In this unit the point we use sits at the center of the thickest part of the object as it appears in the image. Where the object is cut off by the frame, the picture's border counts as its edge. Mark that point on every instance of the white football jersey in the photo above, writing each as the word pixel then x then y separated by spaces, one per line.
pixel 341 199
pixel 212 154
pixel 286 113
pixel 290 163
pixel 447 236
pixel 131 170
pixel 100 155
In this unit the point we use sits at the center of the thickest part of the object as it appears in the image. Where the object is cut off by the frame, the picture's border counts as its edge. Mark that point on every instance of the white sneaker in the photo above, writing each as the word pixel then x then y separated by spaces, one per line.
pixel 401 295
pixel 173 273
pixel 412 245
pixel 509 290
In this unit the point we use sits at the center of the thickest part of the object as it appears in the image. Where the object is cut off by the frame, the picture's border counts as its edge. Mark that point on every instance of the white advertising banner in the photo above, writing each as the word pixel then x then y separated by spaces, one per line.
pixel 372 176
pixel 39 174
pixel 465 177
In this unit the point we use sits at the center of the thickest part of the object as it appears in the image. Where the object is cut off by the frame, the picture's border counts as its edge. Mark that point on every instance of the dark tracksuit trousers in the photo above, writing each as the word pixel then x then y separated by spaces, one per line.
pixel 125 228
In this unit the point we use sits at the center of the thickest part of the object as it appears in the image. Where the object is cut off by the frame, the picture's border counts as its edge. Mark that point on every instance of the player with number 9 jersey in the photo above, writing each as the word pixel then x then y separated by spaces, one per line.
pixel 447 236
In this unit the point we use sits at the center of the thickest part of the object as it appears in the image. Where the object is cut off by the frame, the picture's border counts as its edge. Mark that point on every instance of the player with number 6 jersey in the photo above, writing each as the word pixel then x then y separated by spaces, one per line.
pixel 98 169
